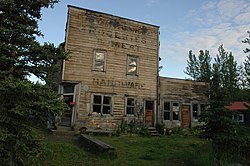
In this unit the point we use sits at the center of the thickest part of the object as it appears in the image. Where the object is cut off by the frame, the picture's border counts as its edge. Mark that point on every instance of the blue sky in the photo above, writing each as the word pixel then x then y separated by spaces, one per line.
pixel 184 25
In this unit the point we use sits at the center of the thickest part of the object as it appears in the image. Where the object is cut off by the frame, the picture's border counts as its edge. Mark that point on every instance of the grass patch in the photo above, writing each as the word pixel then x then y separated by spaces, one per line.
pixel 172 150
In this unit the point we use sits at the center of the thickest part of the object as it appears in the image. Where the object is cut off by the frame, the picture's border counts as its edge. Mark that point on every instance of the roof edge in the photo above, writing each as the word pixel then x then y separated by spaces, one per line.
pixel 113 15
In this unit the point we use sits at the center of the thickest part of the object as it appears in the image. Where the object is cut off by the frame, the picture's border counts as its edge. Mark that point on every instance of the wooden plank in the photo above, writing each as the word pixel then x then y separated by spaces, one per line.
pixel 94 145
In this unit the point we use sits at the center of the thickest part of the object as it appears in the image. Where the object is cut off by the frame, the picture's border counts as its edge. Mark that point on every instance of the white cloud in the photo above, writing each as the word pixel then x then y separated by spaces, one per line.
pixel 218 22
pixel 151 2
pixel 214 12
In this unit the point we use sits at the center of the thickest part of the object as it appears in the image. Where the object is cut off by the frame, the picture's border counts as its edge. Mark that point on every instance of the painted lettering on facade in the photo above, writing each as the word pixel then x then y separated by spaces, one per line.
pixel 115 32
pixel 118 83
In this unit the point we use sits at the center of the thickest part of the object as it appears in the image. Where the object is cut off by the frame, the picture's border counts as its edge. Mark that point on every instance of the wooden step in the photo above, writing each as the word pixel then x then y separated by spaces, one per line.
pixel 153 132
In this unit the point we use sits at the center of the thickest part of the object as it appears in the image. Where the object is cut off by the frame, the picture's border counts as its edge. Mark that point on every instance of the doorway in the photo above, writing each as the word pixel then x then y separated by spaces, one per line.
pixel 69 98
pixel 149 112
pixel 185 115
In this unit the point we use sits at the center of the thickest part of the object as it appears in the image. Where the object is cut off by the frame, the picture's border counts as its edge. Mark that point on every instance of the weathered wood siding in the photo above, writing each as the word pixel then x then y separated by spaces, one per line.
pixel 184 92
pixel 89 30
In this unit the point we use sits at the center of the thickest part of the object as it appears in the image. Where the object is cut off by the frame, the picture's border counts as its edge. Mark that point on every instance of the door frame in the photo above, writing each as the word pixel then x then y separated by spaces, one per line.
pixel 153 118
pixel 75 99
pixel 189 114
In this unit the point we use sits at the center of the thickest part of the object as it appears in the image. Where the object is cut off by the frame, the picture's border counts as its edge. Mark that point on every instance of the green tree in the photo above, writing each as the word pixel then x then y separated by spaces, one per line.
pixel 199 68
pixel 247 61
pixel 223 76
pixel 192 68
pixel 228 73
pixel 23 103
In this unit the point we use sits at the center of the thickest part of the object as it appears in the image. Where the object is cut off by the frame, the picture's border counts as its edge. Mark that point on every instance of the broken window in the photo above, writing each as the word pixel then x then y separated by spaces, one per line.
pixel 130 110
pixel 102 104
pixel 171 111
pixel 99 60
pixel 176 111
pixel 132 65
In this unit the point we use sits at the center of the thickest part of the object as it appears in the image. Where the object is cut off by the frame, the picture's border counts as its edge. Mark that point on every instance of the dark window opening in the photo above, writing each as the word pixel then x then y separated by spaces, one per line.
pixel 102 104
pixel 195 111
pixel 130 106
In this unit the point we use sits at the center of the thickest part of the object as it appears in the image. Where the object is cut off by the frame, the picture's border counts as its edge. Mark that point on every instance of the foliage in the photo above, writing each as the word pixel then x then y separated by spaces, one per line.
pixel 199 68
pixel 21 101
pixel 224 79
pixel 34 102
pixel 160 128
pixel 247 61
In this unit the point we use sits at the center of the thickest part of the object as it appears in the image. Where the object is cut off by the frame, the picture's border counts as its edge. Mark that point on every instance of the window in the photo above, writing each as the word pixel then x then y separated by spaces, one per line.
pixel 99 60
pixel 197 109
pixel 68 88
pixel 166 111
pixel 102 104
pixel 176 111
pixel 171 111
pixel 132 65
pixel 196 112
pixel 130 110
pixel 238 117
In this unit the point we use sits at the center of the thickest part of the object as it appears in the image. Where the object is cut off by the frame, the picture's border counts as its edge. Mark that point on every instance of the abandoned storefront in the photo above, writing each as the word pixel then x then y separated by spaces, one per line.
pixel 182 101
pixel 112 76
pixel 112 72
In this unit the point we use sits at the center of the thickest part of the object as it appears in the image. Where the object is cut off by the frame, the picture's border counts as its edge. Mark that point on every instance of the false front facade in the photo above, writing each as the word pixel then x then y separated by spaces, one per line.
pixel 112 72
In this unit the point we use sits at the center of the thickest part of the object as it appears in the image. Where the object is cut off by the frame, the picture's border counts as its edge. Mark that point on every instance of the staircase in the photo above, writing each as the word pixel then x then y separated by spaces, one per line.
pixel 153 132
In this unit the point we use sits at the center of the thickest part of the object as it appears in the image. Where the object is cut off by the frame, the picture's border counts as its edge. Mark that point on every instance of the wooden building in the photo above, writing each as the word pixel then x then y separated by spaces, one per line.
pixel 112 76
pixel 112 73
pixel 182 101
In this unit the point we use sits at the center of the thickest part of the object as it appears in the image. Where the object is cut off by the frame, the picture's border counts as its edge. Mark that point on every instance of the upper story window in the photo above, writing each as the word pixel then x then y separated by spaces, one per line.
pixel 130 107
pixel 102 104
pixel 132 65
pixel 99 60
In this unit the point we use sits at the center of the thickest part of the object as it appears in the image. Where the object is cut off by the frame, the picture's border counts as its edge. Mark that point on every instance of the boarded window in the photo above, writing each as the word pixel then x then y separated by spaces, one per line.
pixel 102 104
pixel 130 110
pixel 99 60
pixel 132 66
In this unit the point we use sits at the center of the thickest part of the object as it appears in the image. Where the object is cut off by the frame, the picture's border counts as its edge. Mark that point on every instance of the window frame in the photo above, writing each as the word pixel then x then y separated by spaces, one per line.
pixel 171 110
pixel 239 117
pixel 95 61
pixel 199 105
pixel 136 58
pixel 198 111
pixel 176 111
pixel 130 106
pixel 102 104
pixel 166 111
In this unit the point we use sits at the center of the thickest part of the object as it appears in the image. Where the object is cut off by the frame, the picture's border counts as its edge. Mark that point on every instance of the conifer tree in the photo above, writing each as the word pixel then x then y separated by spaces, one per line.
pixel 23 102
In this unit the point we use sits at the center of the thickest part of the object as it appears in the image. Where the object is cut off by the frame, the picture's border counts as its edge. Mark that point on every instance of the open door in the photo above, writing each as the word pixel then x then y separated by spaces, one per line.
pixel 69 99
pixel 185 116
pixel 149 113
